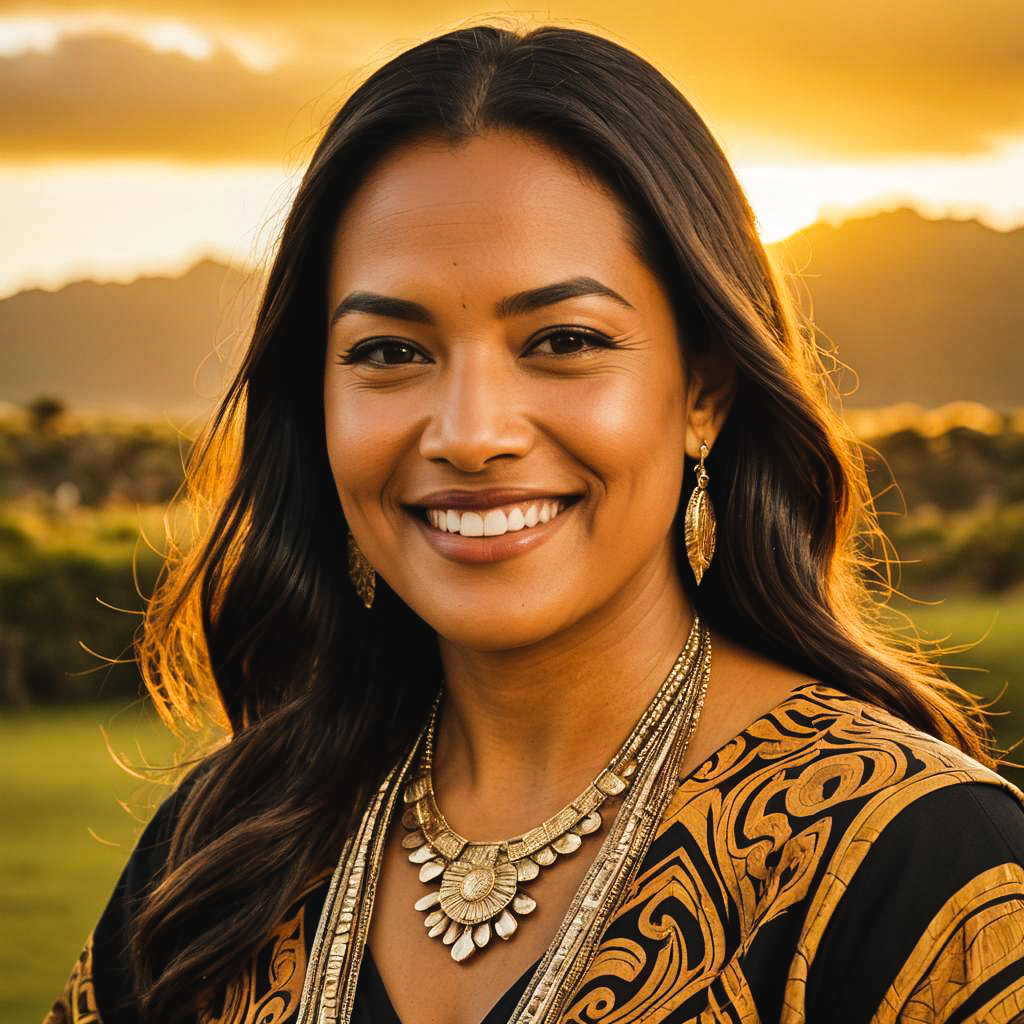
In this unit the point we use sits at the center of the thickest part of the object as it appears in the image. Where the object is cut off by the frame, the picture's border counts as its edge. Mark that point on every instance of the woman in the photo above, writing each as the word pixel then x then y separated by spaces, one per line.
pixel 519 351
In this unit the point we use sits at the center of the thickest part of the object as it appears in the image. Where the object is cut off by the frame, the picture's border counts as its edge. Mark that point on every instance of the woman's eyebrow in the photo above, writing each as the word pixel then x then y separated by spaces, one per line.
pixel 513 305
pixel 382 305
pixel 549 294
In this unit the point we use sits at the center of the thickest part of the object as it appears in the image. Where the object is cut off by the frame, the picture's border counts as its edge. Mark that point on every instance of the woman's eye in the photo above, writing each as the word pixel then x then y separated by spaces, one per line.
pixel 384 353
pixel 568 341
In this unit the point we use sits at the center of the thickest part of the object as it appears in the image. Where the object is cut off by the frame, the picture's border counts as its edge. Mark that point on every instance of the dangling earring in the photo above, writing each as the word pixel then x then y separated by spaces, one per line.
pixel 700 521
pixel 360 572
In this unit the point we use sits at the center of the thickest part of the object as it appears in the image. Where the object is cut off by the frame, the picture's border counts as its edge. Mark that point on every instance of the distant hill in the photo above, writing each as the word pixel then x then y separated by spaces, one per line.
pixel 155 345
pixel 925 311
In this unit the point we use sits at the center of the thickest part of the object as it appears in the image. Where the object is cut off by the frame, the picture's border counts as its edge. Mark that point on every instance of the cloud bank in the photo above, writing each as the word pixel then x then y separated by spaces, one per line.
pixel 906 78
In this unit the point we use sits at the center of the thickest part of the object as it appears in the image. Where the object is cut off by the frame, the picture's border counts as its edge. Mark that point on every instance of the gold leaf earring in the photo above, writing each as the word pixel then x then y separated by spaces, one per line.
pixel 361 572
pixel 700 521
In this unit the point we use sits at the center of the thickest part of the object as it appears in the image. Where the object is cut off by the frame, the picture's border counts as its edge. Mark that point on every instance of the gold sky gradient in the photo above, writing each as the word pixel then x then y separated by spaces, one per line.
pixel 818 104
pixel 793 79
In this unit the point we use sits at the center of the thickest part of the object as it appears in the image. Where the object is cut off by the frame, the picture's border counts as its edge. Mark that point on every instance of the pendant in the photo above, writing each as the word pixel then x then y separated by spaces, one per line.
pixel 658 743
pixel 478 892
pixel 474 900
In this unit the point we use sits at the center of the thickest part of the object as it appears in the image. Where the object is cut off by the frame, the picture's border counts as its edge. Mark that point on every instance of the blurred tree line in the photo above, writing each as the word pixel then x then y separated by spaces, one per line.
pixel 950 498
pixel 82 505
pixel 82 501
pixel 48 454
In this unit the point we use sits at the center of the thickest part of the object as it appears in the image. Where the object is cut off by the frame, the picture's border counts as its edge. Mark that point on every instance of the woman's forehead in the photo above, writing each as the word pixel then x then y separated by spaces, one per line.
pixel 498 200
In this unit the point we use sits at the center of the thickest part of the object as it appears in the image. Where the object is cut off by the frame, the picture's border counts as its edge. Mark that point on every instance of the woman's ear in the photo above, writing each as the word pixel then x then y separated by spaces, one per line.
pixel 710 391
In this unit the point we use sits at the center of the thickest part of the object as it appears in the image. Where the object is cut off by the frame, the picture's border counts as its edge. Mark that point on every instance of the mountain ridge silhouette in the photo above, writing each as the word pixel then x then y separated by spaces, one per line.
pixel 923 311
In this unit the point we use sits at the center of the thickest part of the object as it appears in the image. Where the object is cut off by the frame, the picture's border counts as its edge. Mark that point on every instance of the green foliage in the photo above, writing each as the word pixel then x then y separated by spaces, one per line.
pixel 44 412
pixel 58 574
pixel 90 462
pixel 951 501
pixel 956 470
pixel 980 551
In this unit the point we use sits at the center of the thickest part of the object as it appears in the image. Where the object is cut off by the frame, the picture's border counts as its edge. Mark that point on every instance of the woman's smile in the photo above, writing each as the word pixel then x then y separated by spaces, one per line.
pixel 474 527
pixel 494 522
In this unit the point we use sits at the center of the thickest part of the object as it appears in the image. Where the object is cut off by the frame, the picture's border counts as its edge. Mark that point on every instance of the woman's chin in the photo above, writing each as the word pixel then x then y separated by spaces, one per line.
pixel 494 619
pixel 496 629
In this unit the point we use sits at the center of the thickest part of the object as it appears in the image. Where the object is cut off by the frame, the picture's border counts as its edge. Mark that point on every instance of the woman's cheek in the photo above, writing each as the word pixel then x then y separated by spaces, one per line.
pixel 624 427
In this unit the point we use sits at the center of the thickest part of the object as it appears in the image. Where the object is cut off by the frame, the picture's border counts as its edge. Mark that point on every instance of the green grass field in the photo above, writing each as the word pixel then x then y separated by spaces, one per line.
pixel 992 667
pixel 66 836
pixel 67 833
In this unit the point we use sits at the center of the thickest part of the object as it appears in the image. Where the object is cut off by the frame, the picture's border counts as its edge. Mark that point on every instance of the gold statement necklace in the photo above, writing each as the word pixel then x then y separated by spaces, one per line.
pixel 658 745
pixel 479 884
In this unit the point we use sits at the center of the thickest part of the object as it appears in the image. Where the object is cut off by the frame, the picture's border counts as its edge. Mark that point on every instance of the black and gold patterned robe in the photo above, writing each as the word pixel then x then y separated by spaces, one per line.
pixel 828 864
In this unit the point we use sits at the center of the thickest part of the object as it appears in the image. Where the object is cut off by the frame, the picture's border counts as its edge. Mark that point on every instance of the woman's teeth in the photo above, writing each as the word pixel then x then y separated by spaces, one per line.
pixel 493 522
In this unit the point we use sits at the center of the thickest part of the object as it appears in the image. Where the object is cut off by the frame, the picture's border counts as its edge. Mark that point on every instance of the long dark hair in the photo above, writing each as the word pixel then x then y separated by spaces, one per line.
pixel 260 618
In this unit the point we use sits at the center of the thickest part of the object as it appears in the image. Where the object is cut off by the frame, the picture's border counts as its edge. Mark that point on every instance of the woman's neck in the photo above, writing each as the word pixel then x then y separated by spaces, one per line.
pixel 523 731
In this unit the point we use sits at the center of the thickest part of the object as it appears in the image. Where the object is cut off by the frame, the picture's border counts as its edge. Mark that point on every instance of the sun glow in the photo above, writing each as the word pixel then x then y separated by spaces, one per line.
pixel 789 196
pixel 116 220
pixel 113 222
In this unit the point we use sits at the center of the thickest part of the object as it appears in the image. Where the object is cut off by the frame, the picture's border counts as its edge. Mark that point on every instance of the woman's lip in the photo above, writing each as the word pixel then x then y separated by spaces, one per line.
pixel 491 497
pixel 478 550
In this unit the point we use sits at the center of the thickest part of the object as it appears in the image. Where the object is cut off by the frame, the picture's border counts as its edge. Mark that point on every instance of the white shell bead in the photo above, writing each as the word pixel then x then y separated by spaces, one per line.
pixel 464 947
pixel 440 928
pixel 569 843
pixel 433 917
pixel 422 854
pixel 413 839
pixel 452 934
pixel 505 925
pixel 426 902
pixel 482 934
pixel 527 870
pixel 524 904
pixel 431 869
pixel 591 823
pixel 544 856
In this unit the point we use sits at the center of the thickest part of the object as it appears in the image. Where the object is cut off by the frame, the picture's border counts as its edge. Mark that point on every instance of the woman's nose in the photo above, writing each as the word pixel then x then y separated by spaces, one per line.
pixel 477 415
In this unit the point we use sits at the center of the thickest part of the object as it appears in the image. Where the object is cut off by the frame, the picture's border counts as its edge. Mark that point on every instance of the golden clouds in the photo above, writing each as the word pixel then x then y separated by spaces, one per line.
pixel 108 96
pixel 802 78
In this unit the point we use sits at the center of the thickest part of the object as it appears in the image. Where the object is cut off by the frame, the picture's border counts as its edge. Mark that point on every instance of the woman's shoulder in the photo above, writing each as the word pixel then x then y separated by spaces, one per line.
pixel 148 859
pixel 837 747
pixel 826 783
pixel 101 988
pixel 855 862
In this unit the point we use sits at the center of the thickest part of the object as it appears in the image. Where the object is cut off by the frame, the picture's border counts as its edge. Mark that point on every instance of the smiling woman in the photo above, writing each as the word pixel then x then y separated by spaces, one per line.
pixel 599 723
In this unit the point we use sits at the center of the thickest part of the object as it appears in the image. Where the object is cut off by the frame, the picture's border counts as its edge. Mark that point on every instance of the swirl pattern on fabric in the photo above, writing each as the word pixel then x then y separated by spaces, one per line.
pixel 750 865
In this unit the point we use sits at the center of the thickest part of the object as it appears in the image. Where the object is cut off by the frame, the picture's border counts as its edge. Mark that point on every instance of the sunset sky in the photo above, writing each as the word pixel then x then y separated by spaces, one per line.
pixel 142 134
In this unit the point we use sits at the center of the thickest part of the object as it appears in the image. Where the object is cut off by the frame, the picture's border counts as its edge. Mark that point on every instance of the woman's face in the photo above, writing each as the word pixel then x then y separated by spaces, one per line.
pixel 505 396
